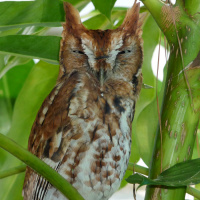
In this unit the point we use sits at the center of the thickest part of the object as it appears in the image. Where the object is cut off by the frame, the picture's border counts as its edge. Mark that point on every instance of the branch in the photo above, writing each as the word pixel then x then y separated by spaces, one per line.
pixel 42 168
pixel 12 171
pixel 137 168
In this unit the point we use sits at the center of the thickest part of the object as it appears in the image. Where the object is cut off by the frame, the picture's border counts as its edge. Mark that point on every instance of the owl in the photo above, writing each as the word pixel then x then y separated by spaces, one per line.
pixel 83 128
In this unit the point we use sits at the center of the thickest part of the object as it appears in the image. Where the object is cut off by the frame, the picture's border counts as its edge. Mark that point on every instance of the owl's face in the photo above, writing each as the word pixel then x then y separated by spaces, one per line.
pixel 104 53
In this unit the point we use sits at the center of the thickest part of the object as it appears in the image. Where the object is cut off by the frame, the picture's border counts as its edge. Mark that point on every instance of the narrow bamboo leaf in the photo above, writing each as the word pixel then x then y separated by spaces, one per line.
pixel 40 13
pixel 42 168
pixel 12 62
pixel 42 47
pixel 91 14
pixel 96 22
pixel 5 105
pixel 34 13
pixel 5 117
pixel 16 78
pixel 10 86
pixel 181 174
pixel 137 168
pixel 99 21
pixel 104 6
pixel 188 173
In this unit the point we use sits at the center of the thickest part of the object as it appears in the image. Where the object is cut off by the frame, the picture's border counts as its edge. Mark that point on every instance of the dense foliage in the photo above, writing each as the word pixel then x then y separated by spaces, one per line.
pixel 25 35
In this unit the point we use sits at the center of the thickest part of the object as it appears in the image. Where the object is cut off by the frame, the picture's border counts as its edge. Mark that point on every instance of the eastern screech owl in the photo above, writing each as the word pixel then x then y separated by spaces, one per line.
pixel 83 128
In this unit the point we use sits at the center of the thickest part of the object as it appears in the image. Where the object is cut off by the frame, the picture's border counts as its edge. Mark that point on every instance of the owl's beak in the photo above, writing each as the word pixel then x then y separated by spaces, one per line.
pixel 101 78
pixel 101 60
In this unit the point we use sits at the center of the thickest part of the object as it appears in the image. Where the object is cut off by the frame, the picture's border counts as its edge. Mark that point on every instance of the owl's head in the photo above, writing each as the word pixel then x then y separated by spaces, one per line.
pixel 105 53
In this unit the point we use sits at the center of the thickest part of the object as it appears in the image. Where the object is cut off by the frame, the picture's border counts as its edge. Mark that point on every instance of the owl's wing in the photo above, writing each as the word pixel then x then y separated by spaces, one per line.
pixel 49 135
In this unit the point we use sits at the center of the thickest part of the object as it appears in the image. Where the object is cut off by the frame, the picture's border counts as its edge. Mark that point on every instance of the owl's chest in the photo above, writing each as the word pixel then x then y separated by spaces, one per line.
pixel 97 161
pixel 100 119
pixel 98 142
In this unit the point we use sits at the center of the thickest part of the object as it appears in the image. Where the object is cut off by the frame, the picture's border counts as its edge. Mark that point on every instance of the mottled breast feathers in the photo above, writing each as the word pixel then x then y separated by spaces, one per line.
pixel 83 128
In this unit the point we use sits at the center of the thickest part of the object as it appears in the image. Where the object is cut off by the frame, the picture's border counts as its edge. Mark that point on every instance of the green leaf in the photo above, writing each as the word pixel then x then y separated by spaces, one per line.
pixel 11 61
pixel 180 175
pixel 48 13
pixel 10 86
pixel 5 104
pixel 16 78
pixel 184 173
pixel 38 13
pixel 104 6
pixel 5 115
pixel 41 47
pixel 97 22
pixel 140 179
pixel 100 21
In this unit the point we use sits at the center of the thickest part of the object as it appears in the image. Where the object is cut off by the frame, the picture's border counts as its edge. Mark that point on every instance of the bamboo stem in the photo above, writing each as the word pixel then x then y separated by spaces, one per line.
pixel 12 171
pixel 194 192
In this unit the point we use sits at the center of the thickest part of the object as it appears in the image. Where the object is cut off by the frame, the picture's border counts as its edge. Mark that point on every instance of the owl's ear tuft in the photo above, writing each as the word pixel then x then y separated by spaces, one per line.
pixel 73 20
pixel 131 21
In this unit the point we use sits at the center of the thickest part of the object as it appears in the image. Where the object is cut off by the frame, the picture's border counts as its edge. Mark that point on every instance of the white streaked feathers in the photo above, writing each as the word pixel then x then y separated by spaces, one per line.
pixel 87 47
pixel 116 44
pixel 89 50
